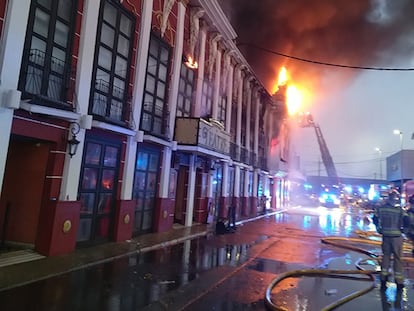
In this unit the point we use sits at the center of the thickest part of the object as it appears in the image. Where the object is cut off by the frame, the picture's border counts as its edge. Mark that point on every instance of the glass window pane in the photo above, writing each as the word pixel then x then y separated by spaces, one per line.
pixel 153 163
pixel 146 122
pixel 93 153
pixel 164 56
pixel 139 181
pixel 126 25
pixel 151 181
pixel 181 87
pixel 162 73
pixel 147 220
pixel 90 177
pixel 119 88
pixel 123 46
pixel 157 129
pixel 41 23
pixel 116 110
pixel 33 80
pixel 180 101
pixel 137 220
pixel 159 107
pixel 87 203
pixel 45 3
pixel 102 81
pixel 65 9
pixel 61 34
pixel 111 154
pixel 110 13
pixel 37 49
pixel 108 179
pixel 99 104
pixel 84 231
pixel 152 65
pixel 142 161
pixel 148 102
pixel 107 35
pixel 189 90
pixel 161 89
pixel 150 85
pixel 104 204
pixel 58 60
pixel 105 58
pixel 55 86
pixel 102 227
pixel 153 50
pixel 121 67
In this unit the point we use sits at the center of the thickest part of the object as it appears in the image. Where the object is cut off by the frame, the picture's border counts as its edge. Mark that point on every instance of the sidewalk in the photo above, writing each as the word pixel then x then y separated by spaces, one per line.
pixel 31 271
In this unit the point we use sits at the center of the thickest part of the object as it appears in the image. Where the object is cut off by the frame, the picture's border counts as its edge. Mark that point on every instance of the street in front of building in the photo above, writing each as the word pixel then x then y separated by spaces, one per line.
pixel 233 271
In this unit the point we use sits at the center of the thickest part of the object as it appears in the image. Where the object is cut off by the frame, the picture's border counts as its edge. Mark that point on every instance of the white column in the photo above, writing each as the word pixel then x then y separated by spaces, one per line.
pixel 200 75
pixel 248 114
pixel 190 192
pixel 11 50
pixel 142 57
pixel 256 121
pixel 237 181
pixel 217 80
pixel 138 89
pixel 225 180
pixel 72 167
pixel 175 80
pixel 239 82
pixel 229 98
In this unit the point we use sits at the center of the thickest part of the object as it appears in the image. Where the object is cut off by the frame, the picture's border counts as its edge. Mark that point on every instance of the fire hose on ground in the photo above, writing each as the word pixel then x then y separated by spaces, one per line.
pixel 359 274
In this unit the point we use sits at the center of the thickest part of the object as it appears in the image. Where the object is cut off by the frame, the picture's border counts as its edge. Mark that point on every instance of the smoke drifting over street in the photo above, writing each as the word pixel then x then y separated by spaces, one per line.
pixel 351 33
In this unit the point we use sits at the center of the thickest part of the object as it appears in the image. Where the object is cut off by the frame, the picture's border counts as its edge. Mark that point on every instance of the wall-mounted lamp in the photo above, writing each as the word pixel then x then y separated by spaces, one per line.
pixel 73 142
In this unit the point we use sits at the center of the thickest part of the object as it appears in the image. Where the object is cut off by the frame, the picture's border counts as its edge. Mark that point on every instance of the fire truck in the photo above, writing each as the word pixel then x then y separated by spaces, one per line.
pixel 306 120
pixel 330 194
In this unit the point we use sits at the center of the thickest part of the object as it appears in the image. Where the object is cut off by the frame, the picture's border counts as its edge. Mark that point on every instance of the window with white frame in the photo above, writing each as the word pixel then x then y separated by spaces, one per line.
pixel 185 92
pixel 46 63
pixel 154 108
pixel 109 89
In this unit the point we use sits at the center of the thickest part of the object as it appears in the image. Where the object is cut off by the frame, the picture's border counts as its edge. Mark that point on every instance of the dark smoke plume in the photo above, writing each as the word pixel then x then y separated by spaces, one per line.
pixel 347 32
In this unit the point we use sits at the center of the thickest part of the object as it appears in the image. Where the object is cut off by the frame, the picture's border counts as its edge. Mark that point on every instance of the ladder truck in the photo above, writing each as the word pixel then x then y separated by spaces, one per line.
pixel 307 120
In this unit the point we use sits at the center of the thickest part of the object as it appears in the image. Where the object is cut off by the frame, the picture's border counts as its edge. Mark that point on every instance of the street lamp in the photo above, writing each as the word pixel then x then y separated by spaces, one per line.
pixel 400 133
pixel 380 161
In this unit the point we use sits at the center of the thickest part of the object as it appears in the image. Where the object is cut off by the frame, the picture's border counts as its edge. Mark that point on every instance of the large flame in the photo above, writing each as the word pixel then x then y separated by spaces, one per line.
pixel 294 99
pixel 283 77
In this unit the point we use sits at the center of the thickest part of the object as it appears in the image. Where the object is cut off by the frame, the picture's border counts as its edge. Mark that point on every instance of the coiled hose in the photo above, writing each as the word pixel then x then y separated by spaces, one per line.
pixel 336 241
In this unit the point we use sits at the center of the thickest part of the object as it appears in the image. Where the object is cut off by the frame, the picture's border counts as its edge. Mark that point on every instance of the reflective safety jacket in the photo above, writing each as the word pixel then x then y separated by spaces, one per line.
pixel 389 220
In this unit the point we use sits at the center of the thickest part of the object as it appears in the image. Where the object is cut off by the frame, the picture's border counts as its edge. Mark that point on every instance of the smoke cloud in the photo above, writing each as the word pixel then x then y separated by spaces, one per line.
pixel 364 33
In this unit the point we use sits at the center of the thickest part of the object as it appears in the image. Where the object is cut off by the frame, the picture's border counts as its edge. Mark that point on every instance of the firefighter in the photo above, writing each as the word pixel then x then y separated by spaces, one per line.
pixel 389 220
pixel 410 221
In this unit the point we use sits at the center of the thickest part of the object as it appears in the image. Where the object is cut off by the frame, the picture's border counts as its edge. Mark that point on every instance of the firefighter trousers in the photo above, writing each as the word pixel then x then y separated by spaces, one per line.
pixel 392 246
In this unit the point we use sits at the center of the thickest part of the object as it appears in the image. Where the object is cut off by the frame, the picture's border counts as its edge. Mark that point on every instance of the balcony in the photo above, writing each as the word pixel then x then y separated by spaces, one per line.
pixel 108 108
pixel 46 81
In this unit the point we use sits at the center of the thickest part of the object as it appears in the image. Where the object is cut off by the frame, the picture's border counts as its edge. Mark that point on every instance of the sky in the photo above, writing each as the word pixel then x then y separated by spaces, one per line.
pixel 339 54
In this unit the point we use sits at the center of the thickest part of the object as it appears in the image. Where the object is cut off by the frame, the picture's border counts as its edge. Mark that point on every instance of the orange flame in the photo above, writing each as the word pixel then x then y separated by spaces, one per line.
pixel 283 77
pixel 293 99
pixel 191 63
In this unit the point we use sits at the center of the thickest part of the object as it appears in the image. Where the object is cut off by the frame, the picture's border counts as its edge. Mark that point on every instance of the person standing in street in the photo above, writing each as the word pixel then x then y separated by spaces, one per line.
pixel 410 222
pixel 389 220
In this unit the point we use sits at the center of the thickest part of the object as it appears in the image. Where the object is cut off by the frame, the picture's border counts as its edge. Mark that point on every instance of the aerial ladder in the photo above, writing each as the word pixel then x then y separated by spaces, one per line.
pixel 306 120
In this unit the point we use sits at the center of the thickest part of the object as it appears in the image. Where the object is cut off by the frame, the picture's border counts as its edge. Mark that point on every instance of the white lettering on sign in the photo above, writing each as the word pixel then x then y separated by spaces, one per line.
pixel 213 138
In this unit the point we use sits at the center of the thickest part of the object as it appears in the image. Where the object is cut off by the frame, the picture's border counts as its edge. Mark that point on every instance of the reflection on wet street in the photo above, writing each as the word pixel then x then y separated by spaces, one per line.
pixel 230 271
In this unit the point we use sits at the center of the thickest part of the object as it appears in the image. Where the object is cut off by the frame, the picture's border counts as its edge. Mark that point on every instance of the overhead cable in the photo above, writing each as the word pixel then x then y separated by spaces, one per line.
pixel 323 63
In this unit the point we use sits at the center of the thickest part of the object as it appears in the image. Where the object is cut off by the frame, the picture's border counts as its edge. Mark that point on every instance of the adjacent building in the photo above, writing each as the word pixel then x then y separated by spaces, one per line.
pixel 123 117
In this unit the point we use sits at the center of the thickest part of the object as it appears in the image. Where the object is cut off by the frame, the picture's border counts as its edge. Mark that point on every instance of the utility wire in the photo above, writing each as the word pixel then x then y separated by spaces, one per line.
pixel 322 63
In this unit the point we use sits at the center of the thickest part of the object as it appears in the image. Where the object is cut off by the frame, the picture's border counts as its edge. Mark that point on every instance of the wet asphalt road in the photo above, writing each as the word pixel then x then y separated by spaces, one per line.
pixel 227 272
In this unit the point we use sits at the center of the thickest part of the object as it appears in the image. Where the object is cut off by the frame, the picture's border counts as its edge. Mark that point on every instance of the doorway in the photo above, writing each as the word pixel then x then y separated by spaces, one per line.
pixel 21 196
